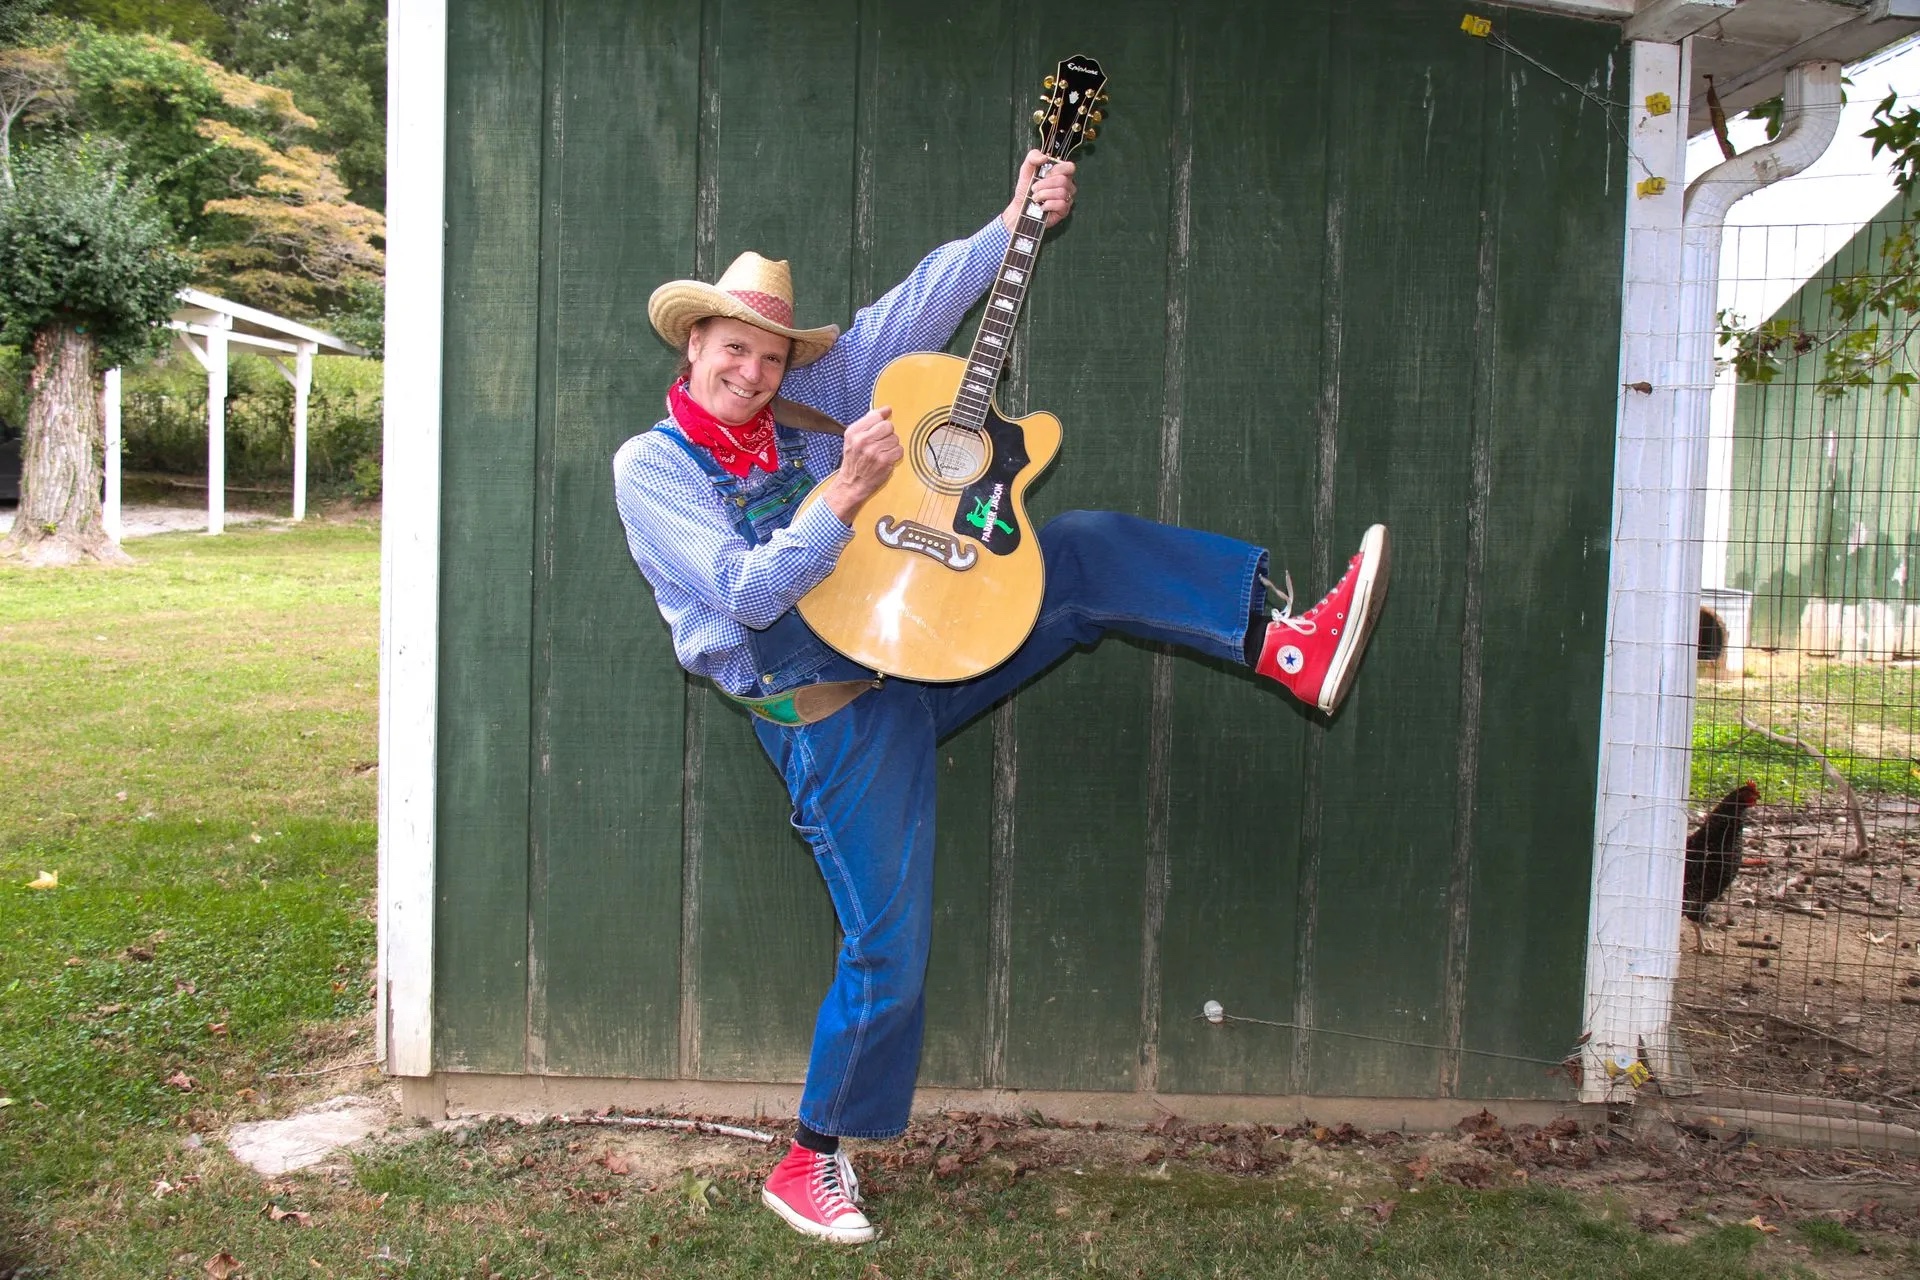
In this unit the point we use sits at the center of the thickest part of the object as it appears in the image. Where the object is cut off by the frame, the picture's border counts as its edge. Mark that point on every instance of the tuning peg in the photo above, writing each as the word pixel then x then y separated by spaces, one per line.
pixel 1048 83
pixel 1039 117
pixel 1091 134
pixel 1097 117
pixel 1099 97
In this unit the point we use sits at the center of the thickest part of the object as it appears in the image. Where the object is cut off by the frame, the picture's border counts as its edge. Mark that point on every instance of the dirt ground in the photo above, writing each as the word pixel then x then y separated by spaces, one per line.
pixel 1663 1180
pixel 1813 983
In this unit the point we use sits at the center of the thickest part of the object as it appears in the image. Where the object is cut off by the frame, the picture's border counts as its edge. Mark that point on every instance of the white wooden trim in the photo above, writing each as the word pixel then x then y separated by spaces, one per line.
pixel 110 453
pixel 302 388
pixel 1668 21
pixel 1631 954
pixel 216 363
pixel 266 319
pixel 410 528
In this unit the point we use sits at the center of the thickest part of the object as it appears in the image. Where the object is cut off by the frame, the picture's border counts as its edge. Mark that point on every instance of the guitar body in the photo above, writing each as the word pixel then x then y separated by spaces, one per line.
pixel 943 578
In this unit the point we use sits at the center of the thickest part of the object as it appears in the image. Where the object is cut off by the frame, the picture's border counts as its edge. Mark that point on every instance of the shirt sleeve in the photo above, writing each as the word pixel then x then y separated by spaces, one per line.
pixel 678 533
pixel 918 314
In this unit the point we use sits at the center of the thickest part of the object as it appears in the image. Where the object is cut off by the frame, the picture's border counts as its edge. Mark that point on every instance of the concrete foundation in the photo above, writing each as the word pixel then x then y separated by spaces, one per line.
pixel 450 1094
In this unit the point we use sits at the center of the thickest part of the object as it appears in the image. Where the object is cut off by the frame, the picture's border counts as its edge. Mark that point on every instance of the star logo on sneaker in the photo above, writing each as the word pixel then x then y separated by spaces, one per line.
pixel 1290 660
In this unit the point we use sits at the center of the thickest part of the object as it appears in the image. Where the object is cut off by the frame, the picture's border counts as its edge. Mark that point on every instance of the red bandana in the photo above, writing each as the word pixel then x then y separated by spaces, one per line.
pixel 737 449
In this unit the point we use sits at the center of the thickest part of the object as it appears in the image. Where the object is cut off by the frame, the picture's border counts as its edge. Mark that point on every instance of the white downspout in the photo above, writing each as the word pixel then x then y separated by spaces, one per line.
pixel 1646 754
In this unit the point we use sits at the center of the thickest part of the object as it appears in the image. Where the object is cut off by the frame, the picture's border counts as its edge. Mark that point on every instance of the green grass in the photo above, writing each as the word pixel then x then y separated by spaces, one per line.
pixel 188 745
pixel 1864 717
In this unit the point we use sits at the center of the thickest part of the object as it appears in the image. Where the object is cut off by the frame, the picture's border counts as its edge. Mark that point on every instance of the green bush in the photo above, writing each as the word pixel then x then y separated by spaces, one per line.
pixel 165 430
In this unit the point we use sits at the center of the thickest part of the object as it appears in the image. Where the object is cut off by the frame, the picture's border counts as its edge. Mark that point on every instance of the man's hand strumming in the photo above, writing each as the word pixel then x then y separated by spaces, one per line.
pixel 868 457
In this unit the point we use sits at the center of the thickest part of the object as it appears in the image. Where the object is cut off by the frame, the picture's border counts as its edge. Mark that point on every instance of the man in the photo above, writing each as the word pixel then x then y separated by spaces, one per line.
pixel 708 498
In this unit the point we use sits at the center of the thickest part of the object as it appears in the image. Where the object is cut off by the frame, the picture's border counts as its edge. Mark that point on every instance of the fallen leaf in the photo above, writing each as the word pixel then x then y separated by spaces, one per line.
pixel 616 1164
pixel 108 1009
pixel 222 1265
pixel 74 962
pixel 1419 1167
pixel 6 1102
pixel 162 1188
pixel 142 954
pixel 1760 1224
pixel 698 1192
pixel 181 986
pixel 217 1028
pixel 45 880
pixel 1382 1209
pixel 181 1081
pixel 276 1214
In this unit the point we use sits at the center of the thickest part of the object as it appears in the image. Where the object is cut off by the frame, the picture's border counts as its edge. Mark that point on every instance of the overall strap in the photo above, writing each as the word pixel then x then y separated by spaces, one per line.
pixel 726 484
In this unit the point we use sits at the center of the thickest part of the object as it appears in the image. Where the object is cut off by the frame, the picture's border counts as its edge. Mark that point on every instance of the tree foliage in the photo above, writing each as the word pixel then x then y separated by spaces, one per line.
pixel 1869 328
pixel 84 244
pixel 268 216
pixel 332 56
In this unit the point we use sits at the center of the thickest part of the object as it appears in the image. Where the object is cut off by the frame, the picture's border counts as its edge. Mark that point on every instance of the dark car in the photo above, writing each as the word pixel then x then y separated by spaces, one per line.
pixel 9 463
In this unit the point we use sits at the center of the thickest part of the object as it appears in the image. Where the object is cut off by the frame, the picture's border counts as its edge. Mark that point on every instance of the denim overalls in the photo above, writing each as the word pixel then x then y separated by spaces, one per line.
pixel 862 780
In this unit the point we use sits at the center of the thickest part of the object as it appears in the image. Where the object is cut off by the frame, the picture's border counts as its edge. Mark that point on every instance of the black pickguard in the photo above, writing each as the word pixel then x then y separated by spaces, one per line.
pixel 989 500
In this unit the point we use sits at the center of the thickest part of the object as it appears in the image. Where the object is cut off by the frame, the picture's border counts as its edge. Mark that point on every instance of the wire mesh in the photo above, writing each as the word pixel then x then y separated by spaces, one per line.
pixel 1798 993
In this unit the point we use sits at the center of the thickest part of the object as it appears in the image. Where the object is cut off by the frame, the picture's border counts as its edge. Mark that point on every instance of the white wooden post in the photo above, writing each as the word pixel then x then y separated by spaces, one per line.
pixel 217 326
pixel 302 384
pixel 1631 944
pixel 410 529
pixel 110 456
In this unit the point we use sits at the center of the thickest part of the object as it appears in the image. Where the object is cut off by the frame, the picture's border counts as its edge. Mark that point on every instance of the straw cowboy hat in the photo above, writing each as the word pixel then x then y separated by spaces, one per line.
pixel 753 289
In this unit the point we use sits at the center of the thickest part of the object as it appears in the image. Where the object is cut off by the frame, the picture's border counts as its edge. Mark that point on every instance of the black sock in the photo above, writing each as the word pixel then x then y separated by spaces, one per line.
pixel 1256 637
pixel 825 1143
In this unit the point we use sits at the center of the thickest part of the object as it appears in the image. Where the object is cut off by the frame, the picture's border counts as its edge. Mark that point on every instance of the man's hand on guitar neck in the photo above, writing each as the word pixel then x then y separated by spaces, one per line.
pixel 1054 192
pixel 869 455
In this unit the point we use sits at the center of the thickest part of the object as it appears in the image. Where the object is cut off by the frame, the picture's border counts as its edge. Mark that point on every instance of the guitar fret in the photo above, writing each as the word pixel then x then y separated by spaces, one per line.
pixel 1002 303
pixel 1023 244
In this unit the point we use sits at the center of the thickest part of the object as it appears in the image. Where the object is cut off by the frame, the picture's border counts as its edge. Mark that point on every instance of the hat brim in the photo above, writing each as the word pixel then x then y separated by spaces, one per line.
pixel 678 305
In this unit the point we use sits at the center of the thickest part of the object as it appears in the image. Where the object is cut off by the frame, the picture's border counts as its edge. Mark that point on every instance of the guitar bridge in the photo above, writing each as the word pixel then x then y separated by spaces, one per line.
pixel 911 535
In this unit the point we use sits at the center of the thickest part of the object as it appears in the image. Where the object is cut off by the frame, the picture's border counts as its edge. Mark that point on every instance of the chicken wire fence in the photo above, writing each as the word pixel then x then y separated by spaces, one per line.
pixel 1798 993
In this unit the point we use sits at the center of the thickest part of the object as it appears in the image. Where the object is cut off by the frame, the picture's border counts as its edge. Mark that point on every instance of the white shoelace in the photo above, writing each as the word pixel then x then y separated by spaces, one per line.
pixel 1284 614
pixel 835 1187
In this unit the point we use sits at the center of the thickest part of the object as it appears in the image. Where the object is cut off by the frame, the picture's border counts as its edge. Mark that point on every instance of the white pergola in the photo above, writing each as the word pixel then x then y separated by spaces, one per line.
pixel 209 327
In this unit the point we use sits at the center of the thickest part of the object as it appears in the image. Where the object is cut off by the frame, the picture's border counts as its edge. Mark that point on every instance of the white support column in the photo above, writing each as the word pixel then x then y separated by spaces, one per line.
pixel 302 385
pixel 216 363
pixel 1632 951
pixel 410 529
pixel 110 454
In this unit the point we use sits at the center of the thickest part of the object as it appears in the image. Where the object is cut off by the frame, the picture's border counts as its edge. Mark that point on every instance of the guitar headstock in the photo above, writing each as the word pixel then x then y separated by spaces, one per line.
pixel 1072 114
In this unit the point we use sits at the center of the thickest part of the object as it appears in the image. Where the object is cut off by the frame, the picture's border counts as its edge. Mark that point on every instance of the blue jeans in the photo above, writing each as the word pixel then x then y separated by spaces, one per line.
pixel 862 780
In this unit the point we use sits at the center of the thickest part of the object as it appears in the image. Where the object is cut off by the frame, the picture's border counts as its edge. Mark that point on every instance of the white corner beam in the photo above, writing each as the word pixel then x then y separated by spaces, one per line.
pixel 1669 292
pixel 300 378
pixel 410 530
pixel 110 455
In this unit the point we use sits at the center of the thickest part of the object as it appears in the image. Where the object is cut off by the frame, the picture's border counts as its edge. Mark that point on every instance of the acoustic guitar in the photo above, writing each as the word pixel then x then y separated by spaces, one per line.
pixel 943 578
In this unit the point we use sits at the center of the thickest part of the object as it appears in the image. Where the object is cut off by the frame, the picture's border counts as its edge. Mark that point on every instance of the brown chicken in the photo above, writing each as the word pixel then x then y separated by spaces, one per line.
pixel 1713 856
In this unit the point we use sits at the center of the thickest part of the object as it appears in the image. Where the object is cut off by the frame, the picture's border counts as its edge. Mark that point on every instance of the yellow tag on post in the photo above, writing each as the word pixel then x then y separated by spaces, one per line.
pixel 1476 26
pixel 1658 104
pixel 1651 187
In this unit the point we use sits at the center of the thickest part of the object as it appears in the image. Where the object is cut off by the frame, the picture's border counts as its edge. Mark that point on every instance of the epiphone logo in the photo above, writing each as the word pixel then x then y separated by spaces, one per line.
pixel 1074 64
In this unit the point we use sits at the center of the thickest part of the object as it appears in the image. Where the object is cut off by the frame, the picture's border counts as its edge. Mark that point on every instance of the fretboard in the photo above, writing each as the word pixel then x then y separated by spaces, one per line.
pixel 995 336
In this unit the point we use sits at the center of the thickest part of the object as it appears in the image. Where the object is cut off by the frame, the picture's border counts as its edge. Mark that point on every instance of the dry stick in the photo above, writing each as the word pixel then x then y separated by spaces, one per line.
pixel 1840 783
pixel 656 1122
pixel 324 1071
pixel 1801 1027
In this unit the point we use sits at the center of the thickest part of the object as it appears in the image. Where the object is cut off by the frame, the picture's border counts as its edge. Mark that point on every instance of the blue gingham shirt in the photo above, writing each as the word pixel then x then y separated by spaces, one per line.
pixel 712 587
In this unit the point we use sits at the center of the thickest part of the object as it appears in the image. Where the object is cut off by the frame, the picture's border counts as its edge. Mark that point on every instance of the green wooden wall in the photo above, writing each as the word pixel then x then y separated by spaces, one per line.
pixel 1332 263
pixel 1825 500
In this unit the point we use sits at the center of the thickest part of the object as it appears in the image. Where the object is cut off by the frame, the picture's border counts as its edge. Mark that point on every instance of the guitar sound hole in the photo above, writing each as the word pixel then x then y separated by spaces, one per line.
pixel 953 456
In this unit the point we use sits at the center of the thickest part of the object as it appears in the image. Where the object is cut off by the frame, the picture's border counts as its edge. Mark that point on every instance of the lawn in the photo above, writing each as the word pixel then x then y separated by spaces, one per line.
pixel 1864 717
pixel 188 748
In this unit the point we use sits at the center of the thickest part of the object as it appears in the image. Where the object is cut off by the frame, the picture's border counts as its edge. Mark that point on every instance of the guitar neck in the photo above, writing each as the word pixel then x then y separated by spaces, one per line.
pixel 994 338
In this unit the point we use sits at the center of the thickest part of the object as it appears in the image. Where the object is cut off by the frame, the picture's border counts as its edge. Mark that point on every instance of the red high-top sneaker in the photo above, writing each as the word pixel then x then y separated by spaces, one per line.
pixel 815 1193
pixel 1315 655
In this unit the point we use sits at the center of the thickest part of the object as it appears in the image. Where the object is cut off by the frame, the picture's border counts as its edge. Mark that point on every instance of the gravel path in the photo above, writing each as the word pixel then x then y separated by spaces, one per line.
pixel 140 521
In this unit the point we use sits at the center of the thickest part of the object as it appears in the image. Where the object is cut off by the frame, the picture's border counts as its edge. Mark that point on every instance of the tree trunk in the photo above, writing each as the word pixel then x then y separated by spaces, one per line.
pixel 58 521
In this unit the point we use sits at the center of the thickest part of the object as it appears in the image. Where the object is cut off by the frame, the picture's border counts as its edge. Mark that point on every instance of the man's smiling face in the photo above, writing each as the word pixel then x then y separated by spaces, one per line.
pixel 735 368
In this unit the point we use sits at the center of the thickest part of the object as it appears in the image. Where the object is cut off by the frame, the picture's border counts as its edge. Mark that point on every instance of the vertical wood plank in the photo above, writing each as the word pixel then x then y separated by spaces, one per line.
pixel 607 751
pixel 1545 583
pixel 782 79
pixel 1252 372
pixel 933 89
pixel 1409 138
pixel 488 482
pixel 1094 331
